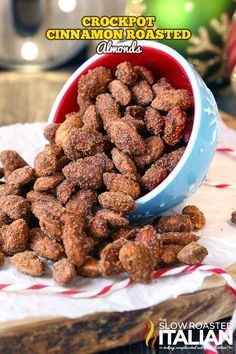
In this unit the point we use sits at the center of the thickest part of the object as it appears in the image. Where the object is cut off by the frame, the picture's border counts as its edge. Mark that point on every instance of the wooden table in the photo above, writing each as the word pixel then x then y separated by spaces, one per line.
pixel 103 331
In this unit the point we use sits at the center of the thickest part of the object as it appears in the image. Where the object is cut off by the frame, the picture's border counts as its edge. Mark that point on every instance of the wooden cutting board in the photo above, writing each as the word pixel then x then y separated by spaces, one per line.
pixel 99 331
pixel 102 331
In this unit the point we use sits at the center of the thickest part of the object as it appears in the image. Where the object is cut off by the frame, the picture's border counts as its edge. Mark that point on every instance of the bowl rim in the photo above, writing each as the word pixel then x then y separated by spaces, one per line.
pixel 194 82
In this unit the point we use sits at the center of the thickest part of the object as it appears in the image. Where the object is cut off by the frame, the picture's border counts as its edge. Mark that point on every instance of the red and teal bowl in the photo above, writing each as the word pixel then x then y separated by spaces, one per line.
pixel 192 169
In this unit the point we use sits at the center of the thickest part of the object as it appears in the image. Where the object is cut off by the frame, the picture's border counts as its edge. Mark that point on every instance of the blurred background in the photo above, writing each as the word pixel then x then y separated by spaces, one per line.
pixel 33 69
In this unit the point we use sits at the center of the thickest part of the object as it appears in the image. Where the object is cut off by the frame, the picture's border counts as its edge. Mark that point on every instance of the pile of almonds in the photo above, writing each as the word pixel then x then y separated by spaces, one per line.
pixel 128 135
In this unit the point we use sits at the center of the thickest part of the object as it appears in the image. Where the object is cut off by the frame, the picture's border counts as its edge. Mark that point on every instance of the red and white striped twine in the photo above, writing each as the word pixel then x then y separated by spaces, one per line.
pixel 226 149
pixel 219 185
pixel 209 348
pixel 41 288
pixel 108 289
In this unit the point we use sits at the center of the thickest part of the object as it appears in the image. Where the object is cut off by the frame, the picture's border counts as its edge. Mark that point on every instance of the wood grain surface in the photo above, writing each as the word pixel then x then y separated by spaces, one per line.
pixel 28 97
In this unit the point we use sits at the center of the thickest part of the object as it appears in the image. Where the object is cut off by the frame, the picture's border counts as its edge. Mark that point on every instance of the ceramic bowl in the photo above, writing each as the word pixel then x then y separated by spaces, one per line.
pixel 191 171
